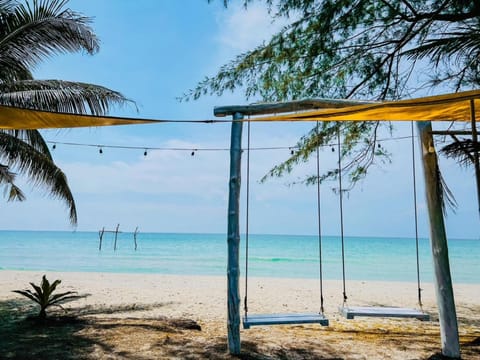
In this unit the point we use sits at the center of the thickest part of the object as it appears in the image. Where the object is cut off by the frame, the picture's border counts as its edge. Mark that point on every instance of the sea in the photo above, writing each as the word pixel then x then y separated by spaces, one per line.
pixel 286 256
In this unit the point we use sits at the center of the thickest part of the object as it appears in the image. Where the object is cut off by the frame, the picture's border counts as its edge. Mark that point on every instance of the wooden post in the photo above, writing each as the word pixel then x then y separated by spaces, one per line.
pixel 100 235
pixel 475 152
pixel 233 240
pixel 135 238
pixel 438 242
pixel 116 233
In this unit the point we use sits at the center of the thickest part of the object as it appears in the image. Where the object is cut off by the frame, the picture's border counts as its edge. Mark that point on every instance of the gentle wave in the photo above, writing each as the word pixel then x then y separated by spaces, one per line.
pixel 284 259
pixel 366 258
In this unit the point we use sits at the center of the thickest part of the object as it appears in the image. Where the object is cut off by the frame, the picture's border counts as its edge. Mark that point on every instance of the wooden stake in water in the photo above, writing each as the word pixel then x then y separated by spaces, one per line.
pixel 135 237
pixel 116 234
pixel 100 234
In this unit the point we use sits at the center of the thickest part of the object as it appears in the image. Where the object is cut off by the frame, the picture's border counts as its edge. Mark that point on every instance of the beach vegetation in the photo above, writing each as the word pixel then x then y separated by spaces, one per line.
pixel 32 31
pixel 363 49
pixel 44 296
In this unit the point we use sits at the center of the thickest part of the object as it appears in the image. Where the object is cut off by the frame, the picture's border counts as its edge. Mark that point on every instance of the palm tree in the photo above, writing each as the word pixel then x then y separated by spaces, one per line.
pixel 29 33
pixel 43 296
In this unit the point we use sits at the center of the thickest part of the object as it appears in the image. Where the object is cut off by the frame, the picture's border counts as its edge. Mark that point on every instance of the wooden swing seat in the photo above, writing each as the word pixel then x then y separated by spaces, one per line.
pixel 284 319
pixel 351 312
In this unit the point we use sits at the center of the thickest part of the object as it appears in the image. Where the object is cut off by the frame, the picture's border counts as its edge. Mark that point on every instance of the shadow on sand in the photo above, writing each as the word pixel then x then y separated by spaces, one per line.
pixel 72 335
pixel 78 335
pixel 24 338
pixel 92 333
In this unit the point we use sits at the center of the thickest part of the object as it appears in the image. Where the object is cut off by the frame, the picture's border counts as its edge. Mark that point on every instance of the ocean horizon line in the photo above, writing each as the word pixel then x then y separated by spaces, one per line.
pixel 242 234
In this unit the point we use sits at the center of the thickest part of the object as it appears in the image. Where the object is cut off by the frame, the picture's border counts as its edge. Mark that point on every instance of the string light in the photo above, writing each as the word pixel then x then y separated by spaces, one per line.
pixel 193 150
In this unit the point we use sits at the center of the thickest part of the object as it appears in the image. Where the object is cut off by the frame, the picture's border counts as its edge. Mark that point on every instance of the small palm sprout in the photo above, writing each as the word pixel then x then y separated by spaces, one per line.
pixel 43 296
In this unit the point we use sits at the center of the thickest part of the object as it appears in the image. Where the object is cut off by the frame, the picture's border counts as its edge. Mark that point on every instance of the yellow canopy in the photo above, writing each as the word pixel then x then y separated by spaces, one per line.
pixel 26 119
pixel 450 107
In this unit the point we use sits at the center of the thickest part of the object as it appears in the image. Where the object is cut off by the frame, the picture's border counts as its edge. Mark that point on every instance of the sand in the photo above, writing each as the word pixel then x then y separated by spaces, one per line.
pixel 127 312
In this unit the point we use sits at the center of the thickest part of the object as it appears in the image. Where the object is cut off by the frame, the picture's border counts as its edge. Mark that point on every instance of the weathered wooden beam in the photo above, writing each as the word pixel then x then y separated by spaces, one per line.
pixel 233 237
pixel 476 161
pixel 439 246
pixel 285 107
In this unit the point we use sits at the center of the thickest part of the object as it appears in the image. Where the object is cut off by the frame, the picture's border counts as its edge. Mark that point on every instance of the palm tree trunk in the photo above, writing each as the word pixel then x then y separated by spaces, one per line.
pixel 43 314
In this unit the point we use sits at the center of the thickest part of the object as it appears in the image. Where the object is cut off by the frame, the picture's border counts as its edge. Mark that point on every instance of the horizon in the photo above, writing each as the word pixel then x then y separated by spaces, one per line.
pixel 242 234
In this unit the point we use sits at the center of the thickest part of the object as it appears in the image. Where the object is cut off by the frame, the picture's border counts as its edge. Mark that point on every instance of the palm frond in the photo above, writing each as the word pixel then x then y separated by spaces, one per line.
pixel 28 294
pixel 60 96
pixel 31 137
pixel 39 168
pixel 11 191
pixel 15 193
pixel 32 32
pixel 447 198
pixel 11 70
pixel 462 151
pixel 49 288
pixel 6 176
pixel 464 43
pixel 38 293
pixel 6 6
pixel 64 297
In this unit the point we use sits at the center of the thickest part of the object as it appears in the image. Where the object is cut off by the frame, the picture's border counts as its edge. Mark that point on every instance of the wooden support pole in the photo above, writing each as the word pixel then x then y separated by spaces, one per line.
pixel 475 152
pixel 438 242
pixel 233 240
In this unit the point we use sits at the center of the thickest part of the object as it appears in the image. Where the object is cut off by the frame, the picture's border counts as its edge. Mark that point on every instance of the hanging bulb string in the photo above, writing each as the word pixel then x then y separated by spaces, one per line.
pixel 292 149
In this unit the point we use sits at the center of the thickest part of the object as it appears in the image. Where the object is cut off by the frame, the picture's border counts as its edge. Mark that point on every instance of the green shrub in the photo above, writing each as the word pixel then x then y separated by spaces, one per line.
pixel 43 295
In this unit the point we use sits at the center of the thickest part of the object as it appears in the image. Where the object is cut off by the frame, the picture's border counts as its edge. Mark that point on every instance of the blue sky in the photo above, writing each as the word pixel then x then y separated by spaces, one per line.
pixel 153 51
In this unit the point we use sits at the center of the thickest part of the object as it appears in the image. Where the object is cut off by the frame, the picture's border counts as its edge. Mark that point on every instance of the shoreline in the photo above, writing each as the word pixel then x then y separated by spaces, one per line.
pixel 296 293
pixel 242 278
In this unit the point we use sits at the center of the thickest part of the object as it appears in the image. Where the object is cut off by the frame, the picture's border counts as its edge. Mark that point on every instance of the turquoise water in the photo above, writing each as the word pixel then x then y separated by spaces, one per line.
pixel 206 254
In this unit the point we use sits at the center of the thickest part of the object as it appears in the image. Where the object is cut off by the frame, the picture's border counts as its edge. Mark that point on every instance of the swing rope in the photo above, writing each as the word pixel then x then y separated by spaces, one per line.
pixel 341 214
pixel 419 289
pixel 319 226
pixel 245 302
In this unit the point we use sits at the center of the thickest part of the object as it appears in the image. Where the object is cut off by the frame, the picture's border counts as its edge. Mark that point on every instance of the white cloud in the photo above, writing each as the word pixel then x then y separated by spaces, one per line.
pixel 160 172
pixel 243 29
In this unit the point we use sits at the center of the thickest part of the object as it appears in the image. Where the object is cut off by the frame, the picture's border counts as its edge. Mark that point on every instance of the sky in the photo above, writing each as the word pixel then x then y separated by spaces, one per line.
pixel 155 51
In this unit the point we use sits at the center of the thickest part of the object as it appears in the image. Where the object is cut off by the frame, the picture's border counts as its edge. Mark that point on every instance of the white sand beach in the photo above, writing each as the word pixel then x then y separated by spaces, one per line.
pixel 203 299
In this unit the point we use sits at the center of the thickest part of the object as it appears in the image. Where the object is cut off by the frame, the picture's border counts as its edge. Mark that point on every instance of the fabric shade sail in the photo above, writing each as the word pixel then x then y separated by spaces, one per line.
pixel 450 107
pixel 27 119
